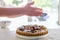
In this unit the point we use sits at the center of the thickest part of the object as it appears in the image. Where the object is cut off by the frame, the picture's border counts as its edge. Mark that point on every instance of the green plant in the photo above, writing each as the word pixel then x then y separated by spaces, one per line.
pixel 17 2
pixel 43 3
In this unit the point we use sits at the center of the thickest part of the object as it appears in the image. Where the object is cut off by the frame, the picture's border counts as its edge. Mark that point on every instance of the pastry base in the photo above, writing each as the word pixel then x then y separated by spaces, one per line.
pixel 31 37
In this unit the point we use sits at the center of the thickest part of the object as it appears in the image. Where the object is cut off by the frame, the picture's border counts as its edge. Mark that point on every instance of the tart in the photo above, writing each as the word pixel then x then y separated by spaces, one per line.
pixel 32 30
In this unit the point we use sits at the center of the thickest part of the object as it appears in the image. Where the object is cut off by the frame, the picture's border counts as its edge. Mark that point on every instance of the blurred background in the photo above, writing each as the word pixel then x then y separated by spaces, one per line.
pixel 49 6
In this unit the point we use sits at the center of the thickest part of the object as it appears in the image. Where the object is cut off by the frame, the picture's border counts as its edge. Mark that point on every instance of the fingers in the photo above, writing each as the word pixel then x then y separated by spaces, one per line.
pixel 34 13
pixel 36 8
pixel 39 11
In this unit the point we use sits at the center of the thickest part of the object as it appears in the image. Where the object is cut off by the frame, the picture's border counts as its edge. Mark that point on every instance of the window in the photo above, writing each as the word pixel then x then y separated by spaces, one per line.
pixel 39 3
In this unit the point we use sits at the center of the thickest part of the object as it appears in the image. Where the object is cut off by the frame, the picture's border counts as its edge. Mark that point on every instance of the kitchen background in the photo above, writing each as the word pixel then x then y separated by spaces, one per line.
pixel 49 6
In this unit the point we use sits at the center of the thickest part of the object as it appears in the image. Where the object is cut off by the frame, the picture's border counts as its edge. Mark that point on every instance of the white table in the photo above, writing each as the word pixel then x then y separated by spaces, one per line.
pixel 54 34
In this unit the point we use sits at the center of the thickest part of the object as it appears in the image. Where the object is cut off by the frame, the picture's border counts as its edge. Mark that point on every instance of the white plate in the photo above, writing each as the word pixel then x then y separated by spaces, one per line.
pixel 31 37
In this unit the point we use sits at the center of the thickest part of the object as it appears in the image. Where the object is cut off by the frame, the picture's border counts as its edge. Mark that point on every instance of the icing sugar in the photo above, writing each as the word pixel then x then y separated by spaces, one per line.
pixel 31 28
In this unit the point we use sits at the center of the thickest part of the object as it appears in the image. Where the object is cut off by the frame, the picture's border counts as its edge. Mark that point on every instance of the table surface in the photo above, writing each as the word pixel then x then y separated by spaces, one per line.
pixel 54 34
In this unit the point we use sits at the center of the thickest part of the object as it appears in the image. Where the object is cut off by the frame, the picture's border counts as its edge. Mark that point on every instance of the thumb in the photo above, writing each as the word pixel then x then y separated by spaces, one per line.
pixel 29 4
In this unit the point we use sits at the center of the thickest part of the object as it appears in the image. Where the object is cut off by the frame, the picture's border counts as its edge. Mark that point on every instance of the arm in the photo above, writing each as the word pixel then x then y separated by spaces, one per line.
pixel 10 11
pixel 26 10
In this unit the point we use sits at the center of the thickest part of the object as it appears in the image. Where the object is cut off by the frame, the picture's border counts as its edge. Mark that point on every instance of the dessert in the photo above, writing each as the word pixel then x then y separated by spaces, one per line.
pixel 32 30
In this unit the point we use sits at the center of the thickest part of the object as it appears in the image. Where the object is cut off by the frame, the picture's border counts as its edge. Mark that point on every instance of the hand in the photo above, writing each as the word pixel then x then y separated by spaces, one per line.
pixel 29 10
pixel 32 11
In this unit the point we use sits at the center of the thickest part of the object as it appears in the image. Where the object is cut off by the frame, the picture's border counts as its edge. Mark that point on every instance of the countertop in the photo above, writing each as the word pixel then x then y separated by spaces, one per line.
pixel 54 34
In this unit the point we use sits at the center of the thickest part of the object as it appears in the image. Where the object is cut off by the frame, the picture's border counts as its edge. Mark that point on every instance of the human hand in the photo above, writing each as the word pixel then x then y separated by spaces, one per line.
pixel 32 11
pixel 29 10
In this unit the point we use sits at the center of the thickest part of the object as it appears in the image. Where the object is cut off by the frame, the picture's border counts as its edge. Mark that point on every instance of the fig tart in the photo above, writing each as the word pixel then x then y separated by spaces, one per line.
pixel 32 30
